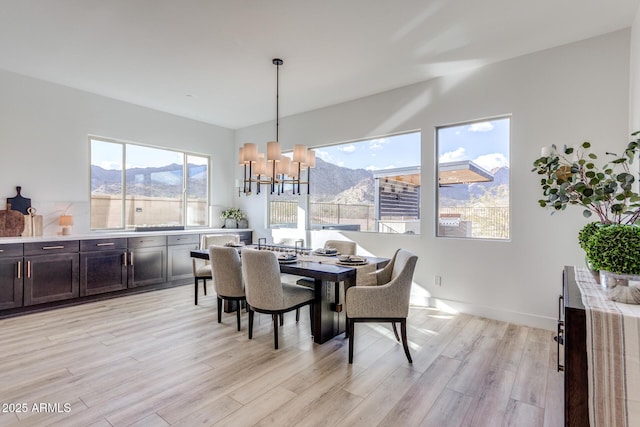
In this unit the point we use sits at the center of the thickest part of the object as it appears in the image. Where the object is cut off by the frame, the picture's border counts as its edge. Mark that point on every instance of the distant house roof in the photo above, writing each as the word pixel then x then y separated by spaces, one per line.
pixel 462 172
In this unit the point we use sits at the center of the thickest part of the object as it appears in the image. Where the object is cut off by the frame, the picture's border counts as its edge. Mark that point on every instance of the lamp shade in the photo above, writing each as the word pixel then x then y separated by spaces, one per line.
pixel 273 150
pixel 311 158
pixel 261 165
pixel 66 220
pixel 283 166
pixel 250 152
pixel 241 156
pixel 294 169
pixel 300 153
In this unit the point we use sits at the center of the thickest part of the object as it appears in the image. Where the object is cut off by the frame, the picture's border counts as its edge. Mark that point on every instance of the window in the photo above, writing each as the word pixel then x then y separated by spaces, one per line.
pixel 135 186
pixel 473 179
pixel 368 185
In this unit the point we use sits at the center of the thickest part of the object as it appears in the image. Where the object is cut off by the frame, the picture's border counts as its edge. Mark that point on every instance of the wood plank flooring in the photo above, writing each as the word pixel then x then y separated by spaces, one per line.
pixel 155 359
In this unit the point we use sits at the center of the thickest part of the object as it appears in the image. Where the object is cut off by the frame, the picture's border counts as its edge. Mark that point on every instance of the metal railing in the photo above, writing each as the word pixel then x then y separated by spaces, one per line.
pixel 487 222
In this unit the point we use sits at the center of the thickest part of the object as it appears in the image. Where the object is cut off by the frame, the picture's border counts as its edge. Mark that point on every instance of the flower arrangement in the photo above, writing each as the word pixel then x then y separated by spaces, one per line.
pixel 232 213
pixel 570 177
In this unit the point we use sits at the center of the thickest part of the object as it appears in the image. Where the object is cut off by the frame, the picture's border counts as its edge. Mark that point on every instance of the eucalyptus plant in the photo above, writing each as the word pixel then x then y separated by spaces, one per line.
pixel 571 177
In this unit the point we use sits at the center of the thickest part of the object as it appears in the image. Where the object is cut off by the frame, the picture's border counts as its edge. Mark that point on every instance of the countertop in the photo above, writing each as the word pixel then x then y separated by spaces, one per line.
pixel 116 234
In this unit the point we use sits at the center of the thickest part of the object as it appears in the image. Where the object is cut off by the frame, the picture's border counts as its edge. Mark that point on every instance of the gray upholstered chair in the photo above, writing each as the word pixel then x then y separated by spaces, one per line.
pixel 345 247
pixel 202 268
pixel 388 302
pixel 227 277
pixel 265 291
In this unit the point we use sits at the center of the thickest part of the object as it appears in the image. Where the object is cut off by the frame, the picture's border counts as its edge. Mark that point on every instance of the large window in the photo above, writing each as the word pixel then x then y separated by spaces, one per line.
pixel 135 186
pixel 473 179
pixel 368 185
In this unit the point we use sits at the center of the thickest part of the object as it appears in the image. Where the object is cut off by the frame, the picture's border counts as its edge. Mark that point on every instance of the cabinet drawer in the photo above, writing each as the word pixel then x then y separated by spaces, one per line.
pixel 12 249
pixel 147 241
pixel 183 239
pixel 102 245
pixel 45 248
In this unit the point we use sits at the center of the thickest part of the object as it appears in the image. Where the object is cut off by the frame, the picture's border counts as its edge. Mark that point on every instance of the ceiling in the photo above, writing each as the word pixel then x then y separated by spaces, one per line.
pixel 210 60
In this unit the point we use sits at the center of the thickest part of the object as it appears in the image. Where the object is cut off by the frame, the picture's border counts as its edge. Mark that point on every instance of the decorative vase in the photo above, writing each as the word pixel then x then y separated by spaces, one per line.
pixel 621 287
pixel 595 273
pixel 230 223
pixel 243 223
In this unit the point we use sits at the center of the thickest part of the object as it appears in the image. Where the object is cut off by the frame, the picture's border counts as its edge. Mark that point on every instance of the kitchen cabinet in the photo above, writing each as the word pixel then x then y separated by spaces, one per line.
pixel 180 263
pixel 103 265
pixel 147 264
pixel 50 271
pixel 11 276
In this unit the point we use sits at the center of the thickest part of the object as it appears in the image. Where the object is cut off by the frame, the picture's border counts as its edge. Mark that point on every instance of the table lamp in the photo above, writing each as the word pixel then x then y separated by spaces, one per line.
pixel 66 221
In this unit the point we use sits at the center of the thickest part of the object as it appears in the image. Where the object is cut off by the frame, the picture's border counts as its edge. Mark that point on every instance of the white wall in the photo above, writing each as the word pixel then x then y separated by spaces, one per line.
pixel 44 132
pixel 564 95
pixel 634 89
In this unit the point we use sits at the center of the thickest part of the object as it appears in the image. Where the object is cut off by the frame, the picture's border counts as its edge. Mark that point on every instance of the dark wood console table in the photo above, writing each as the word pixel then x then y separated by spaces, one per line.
pixel 572 332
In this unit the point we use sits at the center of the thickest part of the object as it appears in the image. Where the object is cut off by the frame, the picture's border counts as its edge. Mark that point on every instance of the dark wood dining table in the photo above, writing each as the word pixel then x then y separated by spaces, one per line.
pixel 330 282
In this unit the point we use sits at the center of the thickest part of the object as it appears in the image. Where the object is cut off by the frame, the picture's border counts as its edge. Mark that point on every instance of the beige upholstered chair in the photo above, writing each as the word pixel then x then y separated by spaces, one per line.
pixel 265 291
pixel 201 268
pixel 388 302
pixel 345 247
pixel 227 277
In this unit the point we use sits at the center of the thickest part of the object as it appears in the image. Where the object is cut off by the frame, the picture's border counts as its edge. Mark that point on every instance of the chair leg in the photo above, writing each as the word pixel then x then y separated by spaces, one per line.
pixel 238 314
pixel 350 324
pixel 281 315
pixel 195 279
pixel 275 330
pixel 403 331
pixel 250 322
pixel 204 285
pixel 219 310
pixel 297 315
pixel 311 317
pixel 395 331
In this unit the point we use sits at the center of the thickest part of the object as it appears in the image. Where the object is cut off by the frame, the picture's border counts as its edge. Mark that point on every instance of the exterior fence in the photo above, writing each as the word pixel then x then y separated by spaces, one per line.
pixel 487 222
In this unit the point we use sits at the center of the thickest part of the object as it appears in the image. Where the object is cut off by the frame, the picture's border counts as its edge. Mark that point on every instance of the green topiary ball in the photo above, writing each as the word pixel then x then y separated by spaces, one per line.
pixel 615 248
pixel 585 234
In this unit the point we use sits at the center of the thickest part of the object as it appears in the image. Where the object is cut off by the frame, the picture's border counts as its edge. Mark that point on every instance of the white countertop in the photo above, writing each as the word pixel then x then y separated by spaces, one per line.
pixel 114 234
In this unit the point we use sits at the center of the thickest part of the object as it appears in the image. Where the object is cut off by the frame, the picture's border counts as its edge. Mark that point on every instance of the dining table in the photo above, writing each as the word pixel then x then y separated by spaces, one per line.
pixel 330 280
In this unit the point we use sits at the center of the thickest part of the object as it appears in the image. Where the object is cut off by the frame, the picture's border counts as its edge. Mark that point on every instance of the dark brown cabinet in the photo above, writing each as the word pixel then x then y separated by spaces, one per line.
pixel 10 276
pixel 103 266
pixel 147 260
pixel 180 264
pixel 50 271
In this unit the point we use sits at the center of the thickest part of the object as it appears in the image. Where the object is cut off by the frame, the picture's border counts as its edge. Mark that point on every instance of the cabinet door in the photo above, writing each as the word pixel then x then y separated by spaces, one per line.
pixel 102 271
pixel 10 283
pixel 180 263
pixel 50 278
pixel 147 266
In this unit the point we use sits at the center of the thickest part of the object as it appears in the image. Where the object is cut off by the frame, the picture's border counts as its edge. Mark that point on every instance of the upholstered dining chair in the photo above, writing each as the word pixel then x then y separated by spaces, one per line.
pixel 344 247
pixel 266 293
pixel 202 268
pixel 388 302
pixel 227 277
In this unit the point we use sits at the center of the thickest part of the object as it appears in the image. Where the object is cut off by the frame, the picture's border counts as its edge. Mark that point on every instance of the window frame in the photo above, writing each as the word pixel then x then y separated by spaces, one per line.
pixel 185 154
pixel 508 116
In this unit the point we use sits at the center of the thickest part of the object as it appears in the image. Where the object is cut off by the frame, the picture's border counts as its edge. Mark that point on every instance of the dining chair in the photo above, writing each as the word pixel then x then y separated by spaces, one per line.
pixel 227 277
pixel 344 247
pixel 386 302
pixel 202 268
pixel 266 293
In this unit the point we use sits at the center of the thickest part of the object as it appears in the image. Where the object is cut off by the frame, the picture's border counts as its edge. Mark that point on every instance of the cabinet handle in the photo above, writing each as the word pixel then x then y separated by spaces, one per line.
pixel 1 250
pixel 28 269
pixel 131 258
pixel 47 248
pixel 560 337
pixel 105 244
pixel 19 269
pixel 124 259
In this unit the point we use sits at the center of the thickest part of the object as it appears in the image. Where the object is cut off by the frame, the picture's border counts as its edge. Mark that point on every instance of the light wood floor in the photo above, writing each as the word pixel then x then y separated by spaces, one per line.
pixel 155 359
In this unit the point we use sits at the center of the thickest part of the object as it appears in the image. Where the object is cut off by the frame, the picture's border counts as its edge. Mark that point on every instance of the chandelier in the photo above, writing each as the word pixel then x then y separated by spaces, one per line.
pixel 273 168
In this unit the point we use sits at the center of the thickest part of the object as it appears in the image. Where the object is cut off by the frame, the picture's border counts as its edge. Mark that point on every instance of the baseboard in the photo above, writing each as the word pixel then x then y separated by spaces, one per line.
pixel 526 319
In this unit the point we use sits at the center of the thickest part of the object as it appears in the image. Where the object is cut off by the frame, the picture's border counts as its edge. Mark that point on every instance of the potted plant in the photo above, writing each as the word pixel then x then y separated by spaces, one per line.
pixel 231 217
pixel 571 177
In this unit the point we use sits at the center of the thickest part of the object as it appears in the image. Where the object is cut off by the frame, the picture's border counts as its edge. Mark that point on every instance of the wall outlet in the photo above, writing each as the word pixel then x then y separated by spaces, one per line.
pixel 437 280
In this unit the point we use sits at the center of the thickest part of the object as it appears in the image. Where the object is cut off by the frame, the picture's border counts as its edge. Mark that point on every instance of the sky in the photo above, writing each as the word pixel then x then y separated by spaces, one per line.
pixel 391 152
pixel 484 143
